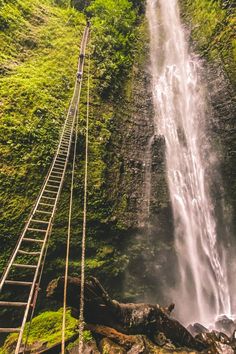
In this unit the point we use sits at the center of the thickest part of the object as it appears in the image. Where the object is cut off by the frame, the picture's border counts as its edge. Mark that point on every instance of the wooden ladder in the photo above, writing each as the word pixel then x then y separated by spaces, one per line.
pixel 34 238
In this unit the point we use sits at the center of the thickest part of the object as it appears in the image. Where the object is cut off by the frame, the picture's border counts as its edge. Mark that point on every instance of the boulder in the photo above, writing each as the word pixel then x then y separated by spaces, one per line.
pixel 90 347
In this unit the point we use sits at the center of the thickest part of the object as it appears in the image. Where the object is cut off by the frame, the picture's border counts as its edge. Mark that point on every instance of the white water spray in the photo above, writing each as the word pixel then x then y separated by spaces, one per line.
pixel 202 292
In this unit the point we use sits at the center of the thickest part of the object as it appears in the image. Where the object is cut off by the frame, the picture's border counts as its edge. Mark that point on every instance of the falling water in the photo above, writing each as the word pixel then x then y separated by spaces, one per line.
pixel 146 201
pixel 202 290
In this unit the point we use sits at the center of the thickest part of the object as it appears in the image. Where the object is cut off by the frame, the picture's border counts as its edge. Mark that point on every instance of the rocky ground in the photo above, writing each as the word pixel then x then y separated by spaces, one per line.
pixel 116 328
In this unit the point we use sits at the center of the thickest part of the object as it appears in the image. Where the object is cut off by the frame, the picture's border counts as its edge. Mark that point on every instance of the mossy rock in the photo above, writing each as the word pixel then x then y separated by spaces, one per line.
pixel 45 331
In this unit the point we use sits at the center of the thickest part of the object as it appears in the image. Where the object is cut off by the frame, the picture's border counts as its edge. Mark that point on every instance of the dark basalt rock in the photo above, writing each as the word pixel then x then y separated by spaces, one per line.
pixel 226 325
pixel 196 329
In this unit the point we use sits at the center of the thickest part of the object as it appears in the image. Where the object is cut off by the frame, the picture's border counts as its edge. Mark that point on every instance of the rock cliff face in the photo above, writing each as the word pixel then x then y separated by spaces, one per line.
pixel 211 28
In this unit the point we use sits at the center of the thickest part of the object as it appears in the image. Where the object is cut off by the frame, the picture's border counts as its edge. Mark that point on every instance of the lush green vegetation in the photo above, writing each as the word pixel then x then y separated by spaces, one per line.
pixel 213 25
pixel 114 35
pixel 38 63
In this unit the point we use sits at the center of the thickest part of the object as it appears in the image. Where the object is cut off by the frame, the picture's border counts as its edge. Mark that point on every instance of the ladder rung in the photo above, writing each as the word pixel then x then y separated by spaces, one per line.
pixel 40 221
pixel 9 330
pixel 29 253
pixel 51 186
pixel 21 283
pixel 47 191
pixel 62 153
pixel 50 198
pixel 59 163
pixel 30 266
pixel 59 171
pixel 56 174
pixel 13 303
pixel 27 239
pixel 46 204
pixel 37 230
pixel 43 212
pixel 58 177
pixel 59 167
pixel 53 181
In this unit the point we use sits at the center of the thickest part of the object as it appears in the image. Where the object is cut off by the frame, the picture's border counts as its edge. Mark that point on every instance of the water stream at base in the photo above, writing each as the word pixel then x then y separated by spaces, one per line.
pixel 202 290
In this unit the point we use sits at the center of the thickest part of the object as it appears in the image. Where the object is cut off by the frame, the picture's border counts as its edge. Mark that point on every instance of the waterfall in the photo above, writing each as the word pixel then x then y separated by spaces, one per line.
pixel 202 291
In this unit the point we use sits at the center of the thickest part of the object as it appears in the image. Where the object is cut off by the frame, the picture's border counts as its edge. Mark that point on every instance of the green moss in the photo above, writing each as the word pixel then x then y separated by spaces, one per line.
pixel 45 328
pixel 87 336
pixel 39 43
pixel 115 37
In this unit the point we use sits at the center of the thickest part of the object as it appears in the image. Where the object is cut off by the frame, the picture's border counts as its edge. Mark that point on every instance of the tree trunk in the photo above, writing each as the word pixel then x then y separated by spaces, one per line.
pixel 129 319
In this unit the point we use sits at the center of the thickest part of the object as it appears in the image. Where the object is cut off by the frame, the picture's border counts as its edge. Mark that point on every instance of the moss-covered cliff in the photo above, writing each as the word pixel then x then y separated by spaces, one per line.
pixel 213 26
pixel 40 43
